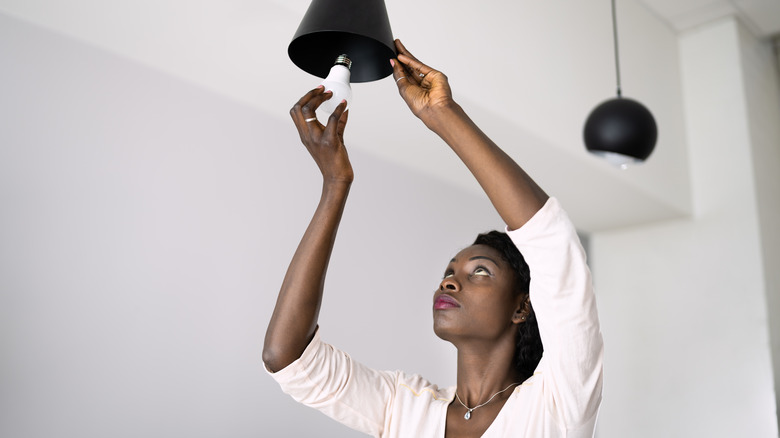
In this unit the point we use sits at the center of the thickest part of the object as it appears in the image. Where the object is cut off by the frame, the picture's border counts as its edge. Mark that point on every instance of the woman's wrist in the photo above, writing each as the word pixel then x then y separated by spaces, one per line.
pixel 438 117
pixel 336 185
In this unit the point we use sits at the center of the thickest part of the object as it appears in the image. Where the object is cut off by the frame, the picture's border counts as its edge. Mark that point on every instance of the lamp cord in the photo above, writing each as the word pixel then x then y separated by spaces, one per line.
pixel 617 56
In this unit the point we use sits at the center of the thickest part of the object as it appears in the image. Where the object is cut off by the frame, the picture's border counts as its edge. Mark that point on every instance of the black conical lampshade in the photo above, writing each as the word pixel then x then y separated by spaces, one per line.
pixel 621 130
pixel 359 29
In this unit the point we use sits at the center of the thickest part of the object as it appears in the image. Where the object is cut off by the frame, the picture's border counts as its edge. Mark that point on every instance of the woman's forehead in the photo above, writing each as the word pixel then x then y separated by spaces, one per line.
pixel 479 252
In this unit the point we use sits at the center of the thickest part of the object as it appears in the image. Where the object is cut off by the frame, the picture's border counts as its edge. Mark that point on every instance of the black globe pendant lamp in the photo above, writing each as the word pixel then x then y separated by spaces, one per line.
pixel 344 41
pixel 620 130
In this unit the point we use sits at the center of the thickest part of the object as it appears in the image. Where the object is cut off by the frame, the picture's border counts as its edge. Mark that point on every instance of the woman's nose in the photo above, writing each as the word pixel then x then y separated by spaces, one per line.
pixel 449 284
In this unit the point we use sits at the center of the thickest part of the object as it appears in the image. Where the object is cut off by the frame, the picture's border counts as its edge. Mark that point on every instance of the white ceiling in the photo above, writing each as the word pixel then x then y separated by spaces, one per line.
pixel 761 16
pixel 529 72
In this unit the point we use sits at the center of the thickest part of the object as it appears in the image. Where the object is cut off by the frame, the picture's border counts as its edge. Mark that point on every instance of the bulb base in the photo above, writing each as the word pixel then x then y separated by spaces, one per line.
pixel 343 60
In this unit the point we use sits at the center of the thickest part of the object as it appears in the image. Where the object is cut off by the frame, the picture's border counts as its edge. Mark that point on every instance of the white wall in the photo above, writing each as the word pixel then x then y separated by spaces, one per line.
pixel 684 303
pixel 146 225
pixel 762 93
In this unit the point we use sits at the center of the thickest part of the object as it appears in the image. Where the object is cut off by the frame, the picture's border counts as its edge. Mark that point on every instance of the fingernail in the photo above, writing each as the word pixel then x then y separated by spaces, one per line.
pixel 392 62
pixel 320 86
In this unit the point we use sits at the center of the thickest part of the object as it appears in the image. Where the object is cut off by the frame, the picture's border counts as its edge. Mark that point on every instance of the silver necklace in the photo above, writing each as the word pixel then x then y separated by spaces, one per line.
pixel 470 410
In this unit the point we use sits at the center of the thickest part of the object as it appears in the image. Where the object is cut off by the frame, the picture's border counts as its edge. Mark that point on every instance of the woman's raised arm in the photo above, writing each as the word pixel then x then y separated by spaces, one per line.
pixel 294 319
pixel 426 91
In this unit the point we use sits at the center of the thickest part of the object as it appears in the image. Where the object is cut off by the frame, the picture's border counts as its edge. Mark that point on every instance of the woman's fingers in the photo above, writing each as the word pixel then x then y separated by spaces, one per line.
pixel 334 121
pixel 296 112
pixel 416 69
pixel 408 72
pixel 309 109
pixel 306 107
pixel 304 114
pixel 410 76
pixel 403 50
pixel 411 63
pixel 402 77
pixel 342 124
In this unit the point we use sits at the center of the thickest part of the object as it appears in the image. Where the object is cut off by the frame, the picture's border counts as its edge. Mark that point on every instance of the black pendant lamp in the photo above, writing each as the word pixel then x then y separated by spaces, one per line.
pixel 343 41
pixel 620 130
pixel 358 29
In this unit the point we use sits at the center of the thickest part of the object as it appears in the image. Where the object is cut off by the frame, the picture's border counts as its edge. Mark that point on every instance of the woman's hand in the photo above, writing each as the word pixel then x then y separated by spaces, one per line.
pixel 324 143
pixel 424 89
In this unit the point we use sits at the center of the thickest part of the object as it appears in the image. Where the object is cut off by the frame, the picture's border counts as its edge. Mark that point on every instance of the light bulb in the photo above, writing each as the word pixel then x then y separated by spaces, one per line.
pixel 337 82
pixel 618 160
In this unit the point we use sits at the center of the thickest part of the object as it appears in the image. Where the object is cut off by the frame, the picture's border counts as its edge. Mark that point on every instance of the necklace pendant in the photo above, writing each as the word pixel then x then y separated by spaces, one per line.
pixel 468 415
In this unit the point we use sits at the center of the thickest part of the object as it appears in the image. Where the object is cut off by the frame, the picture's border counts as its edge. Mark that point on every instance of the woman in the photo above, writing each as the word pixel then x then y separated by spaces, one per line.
pixel 484 304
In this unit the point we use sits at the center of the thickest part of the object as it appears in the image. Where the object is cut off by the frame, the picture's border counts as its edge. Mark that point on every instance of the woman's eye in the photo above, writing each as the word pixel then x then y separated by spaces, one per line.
pixel 448 275
pixel 481 271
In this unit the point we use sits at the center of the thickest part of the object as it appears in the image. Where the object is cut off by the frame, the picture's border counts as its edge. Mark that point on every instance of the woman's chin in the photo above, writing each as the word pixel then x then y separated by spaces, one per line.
pixel 442 330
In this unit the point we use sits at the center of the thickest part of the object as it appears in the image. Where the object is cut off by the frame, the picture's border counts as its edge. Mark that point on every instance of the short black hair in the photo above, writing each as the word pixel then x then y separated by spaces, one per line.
pixel 529 349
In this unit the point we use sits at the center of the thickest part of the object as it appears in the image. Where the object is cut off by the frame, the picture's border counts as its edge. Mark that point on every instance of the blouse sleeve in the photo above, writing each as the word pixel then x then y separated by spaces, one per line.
pixel 561 294
pixel 330 381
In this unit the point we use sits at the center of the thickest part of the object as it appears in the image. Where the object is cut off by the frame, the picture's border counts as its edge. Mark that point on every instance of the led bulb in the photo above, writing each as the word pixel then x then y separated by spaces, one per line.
pixel 337 82
pixel 618 160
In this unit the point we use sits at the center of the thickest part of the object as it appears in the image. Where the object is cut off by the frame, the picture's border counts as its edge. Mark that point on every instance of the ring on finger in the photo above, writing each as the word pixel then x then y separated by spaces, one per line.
pixel 310 119
pixel 402 77
pixel 422 75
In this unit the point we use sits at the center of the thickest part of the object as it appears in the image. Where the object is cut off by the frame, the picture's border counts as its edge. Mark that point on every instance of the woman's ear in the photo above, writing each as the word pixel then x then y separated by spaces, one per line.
pixel 523 311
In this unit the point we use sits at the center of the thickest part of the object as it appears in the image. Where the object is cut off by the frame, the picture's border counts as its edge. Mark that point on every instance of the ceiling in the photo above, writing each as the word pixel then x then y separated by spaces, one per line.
pixel 528 72
pixel 761 16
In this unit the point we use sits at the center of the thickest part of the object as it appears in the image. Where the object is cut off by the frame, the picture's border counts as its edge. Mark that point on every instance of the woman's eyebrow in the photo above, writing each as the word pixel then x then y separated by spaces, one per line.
pixel 484 257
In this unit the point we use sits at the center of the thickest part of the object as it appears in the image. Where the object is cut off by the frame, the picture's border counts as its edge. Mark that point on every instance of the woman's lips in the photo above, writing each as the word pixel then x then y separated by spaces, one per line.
pixel 445 302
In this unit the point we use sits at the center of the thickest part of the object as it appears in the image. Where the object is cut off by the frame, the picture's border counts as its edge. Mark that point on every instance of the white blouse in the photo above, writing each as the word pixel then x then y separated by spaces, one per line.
pixel 561 399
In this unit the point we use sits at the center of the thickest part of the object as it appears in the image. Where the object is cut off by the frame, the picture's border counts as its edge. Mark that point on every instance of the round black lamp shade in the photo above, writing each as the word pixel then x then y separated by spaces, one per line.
pixel 359 29
pixel 621 130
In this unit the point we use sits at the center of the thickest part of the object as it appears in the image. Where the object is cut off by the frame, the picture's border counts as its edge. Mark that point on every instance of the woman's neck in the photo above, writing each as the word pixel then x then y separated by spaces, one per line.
pixel 485 370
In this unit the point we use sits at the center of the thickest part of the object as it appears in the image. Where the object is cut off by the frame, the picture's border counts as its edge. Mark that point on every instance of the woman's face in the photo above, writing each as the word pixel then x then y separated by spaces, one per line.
pixel 476 298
